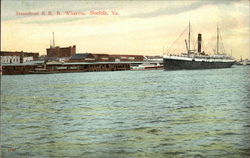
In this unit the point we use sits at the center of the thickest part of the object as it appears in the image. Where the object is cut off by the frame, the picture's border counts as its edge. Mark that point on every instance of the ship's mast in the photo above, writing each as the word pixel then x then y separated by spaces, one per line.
pixel 217 51
pixel 189 38
pixel 186 45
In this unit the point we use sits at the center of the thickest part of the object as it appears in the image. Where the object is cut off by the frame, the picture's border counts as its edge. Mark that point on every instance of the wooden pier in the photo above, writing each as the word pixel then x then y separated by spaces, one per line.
pixel 63 67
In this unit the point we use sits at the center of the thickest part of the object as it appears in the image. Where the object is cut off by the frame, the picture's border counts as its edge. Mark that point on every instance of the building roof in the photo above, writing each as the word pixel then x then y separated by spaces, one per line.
pixel 126 55
pixel 80 56
pixel 24 64
pixel 17 53
pixel 57 47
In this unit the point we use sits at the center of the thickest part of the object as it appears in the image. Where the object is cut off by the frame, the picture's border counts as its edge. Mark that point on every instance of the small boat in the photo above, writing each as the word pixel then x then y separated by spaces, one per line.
pixel 147 66
pixel 246 62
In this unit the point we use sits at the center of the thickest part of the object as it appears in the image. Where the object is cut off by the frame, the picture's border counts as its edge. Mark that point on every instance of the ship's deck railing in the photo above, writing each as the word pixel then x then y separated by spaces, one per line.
pixel 199 58
pixel 206 56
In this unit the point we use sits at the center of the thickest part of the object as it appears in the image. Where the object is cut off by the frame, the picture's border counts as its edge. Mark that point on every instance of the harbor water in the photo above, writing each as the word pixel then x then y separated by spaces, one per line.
pixel 151 114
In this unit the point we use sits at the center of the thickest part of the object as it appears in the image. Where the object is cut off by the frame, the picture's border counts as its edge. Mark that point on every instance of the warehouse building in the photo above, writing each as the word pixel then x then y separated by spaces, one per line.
pixel 9 57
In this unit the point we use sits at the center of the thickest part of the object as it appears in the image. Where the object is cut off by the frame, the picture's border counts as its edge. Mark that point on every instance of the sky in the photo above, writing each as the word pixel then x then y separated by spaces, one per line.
pixel 139 27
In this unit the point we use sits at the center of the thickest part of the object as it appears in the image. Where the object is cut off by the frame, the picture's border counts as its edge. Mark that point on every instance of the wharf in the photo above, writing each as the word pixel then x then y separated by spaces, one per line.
pixel 57 67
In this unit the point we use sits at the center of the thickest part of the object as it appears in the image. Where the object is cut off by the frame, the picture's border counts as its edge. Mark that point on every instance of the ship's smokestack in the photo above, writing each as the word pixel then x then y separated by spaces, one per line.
pixel 199 42
pixel 54 41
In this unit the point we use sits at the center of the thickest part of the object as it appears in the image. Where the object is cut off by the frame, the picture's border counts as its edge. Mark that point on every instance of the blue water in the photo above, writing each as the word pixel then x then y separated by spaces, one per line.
pixel 194 113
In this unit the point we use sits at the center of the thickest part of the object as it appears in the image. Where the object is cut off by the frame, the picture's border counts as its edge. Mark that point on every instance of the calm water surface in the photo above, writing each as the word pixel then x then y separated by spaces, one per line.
pixel 195 113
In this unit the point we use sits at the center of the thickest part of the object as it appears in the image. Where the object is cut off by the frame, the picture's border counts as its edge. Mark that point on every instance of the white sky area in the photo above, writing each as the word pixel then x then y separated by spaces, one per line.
pixel 142 27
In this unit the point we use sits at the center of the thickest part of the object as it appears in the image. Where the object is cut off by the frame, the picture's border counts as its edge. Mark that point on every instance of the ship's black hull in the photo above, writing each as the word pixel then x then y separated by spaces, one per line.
pixel 175 64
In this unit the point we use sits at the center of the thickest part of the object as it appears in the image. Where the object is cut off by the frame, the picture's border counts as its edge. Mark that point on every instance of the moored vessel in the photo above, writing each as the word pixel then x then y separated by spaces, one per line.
pixel 197 59
pixel 148 66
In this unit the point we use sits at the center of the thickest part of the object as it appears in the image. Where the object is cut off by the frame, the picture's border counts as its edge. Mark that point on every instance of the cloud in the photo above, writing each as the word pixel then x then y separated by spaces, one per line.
pixel 177 7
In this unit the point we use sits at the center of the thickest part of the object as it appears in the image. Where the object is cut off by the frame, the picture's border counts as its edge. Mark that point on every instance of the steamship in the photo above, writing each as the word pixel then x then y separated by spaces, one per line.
pixel 193 59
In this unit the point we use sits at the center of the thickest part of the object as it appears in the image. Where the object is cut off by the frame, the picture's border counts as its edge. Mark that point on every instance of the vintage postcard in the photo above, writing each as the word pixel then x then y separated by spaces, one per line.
pixel 125 79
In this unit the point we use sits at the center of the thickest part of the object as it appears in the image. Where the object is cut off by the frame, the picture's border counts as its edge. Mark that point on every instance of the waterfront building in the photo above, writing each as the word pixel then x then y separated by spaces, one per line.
pixel 82 57
pixel 102 57
pixel 8 57
pixel 89 57
pixel 62 67
pixel 124 57
pixel 61 52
